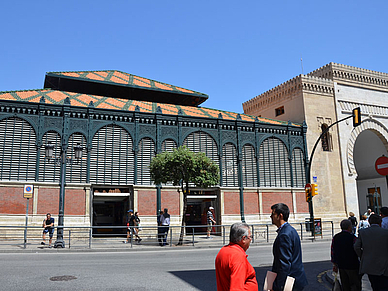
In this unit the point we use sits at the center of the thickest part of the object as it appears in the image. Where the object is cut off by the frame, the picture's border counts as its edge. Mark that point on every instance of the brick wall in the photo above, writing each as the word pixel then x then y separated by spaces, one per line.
pixel 251 203
pixel 75 200
pixel 301 205
pixel 146 200
pixel 231 202
pixel 271 198
pixel 48 201
pixel 12 201
pixel 170 200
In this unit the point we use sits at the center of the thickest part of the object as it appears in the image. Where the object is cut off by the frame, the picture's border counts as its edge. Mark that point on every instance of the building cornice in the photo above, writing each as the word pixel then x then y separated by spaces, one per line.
pixel 348 75
pixel 289 90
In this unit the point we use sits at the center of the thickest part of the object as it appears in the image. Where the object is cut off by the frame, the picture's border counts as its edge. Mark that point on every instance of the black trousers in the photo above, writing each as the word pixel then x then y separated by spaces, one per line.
pixel 350 280
pixel 378 283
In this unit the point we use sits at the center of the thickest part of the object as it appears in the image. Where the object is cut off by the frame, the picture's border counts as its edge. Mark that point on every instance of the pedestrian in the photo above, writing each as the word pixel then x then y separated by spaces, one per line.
pixel 131 230
pixel 286 250
pixel 372 247
pixel 160 228
pixel 233 270
pixel 353 220
pixel 345 259
pixel 368 213
pixel 210 221
pixel 165 223
pixel 138 228
pixel 363 223
pixel 48 225
pixel 384 217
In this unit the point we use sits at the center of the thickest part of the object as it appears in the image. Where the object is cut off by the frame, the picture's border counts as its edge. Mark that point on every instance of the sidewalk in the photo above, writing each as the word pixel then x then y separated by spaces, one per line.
pixel 110 244
pixel 365 281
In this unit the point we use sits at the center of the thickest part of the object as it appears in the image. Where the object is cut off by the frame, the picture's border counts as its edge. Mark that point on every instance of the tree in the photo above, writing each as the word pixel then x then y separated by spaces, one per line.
pixel 182 167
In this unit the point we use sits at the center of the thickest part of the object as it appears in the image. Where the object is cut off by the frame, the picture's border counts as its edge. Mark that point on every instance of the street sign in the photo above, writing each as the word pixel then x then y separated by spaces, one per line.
pixel 381 166
pixel 28 191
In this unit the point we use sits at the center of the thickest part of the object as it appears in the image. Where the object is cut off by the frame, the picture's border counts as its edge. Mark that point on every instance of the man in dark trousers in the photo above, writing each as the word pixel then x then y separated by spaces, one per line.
pixel 345 258
pixel 372 247
pixel 287 251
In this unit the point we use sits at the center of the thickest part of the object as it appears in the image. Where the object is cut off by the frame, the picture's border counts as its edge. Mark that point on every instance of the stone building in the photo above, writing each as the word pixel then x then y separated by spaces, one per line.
pixel 120 121
pixel 344 162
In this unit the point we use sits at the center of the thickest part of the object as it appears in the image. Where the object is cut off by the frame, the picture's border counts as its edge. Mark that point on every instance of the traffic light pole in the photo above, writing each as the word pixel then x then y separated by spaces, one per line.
pixel 308 174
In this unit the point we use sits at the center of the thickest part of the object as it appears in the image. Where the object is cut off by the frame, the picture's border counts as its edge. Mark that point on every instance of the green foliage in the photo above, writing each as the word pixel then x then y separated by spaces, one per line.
pixel 184 166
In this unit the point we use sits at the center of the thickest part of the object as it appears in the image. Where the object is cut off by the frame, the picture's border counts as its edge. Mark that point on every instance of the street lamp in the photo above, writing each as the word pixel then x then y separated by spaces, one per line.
pixel 62 160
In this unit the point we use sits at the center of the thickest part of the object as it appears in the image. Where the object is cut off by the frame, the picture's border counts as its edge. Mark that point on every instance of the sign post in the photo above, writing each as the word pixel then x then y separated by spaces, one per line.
pixel 27 193
pixel 381 166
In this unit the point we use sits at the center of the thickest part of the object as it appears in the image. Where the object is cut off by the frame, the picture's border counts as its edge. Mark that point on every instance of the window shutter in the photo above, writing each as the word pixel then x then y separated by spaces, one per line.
pixel 249 167
pixel 17 150
pixel 229 165
pixel 298 170
pixel 145 155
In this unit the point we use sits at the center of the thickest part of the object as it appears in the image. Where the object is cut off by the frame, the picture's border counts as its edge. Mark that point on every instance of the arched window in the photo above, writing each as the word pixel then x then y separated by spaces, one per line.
pixel 274 166
pixel 17 150
pixel 249 167
pixel 200 141
pixel 144 156
pixel 48 170
pixel 298 169
pixel 327 144
pixel 168 145
pixel 229 165
pixel 111 157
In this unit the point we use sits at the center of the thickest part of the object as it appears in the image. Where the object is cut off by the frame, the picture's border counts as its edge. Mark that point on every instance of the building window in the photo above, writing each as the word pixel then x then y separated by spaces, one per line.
pixel 279 111
pixel 327 144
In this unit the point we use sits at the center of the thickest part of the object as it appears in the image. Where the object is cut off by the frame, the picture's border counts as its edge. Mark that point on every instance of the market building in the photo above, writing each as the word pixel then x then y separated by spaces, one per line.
pixel 344 163
pixel 100 130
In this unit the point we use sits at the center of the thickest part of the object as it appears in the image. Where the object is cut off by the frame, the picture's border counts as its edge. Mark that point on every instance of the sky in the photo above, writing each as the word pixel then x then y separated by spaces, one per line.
pixel 229 50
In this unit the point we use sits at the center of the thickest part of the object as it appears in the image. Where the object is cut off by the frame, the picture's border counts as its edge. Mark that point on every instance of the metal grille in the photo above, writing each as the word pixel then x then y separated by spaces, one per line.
pixel 229 165
pixel 249 166
pixel 48 170
pixel 168 145
pixel 76 172
pixel 145 155
pixel 298 170
pixel 111 157
pixel 274 166
pixel 17 150
pixel 200 141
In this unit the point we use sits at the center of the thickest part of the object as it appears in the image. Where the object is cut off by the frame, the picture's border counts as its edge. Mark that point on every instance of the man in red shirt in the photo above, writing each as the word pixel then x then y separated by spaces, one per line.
pixel 233 271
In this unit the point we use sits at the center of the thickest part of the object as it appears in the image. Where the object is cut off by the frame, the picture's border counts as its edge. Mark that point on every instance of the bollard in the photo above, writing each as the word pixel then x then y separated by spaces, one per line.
pixel 267 233
pixel 69 237
pixel 193 235
pixel 25 237
pixel 301 231
pixel 253 234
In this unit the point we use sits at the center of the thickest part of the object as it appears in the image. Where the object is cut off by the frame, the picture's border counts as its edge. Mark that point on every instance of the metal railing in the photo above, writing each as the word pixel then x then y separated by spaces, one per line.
pixel 112 237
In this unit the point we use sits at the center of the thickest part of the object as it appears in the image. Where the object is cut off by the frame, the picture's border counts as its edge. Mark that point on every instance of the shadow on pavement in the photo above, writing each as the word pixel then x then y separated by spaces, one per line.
pixel 205 280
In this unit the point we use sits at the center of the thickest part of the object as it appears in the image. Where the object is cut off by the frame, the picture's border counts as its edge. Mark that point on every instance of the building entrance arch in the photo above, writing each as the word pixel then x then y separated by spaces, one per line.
pixel 367 143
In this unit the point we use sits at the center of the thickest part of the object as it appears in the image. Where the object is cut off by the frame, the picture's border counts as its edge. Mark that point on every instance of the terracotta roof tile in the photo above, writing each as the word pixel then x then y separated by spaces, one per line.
pixel 83 100
pixel 122 76
pixel 140 83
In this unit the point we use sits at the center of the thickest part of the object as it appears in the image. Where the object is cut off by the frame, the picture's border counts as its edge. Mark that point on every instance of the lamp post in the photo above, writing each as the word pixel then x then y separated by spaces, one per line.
pixel 62 160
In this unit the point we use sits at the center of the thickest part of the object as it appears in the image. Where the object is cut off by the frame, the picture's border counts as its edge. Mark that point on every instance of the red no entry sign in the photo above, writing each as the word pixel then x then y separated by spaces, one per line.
pixel 381 166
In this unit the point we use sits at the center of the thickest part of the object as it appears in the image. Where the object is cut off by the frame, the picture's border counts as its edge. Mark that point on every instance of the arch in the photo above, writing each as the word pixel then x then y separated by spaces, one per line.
pixel 200 141
pixel 112 156
pixel 369 124
pixel 18 150
pixel 326 141
pixel 274 165
pixel 168 145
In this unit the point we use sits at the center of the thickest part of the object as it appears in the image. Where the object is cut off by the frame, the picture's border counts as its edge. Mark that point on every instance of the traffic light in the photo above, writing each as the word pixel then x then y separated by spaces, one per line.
pixel 308 194
pixel 356 116
pixel 314 189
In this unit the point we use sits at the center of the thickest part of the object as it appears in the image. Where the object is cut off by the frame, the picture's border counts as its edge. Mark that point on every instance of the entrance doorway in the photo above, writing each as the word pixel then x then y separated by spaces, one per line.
pixel 198 203
pixel 110 206
pixel 371 187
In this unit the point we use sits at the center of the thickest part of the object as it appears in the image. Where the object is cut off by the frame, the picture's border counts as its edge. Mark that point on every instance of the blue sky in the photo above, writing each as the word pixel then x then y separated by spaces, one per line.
pixel 230 50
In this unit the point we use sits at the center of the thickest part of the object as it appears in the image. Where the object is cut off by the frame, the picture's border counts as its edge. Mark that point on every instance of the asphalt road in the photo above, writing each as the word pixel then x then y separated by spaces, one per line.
pixel 165 269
